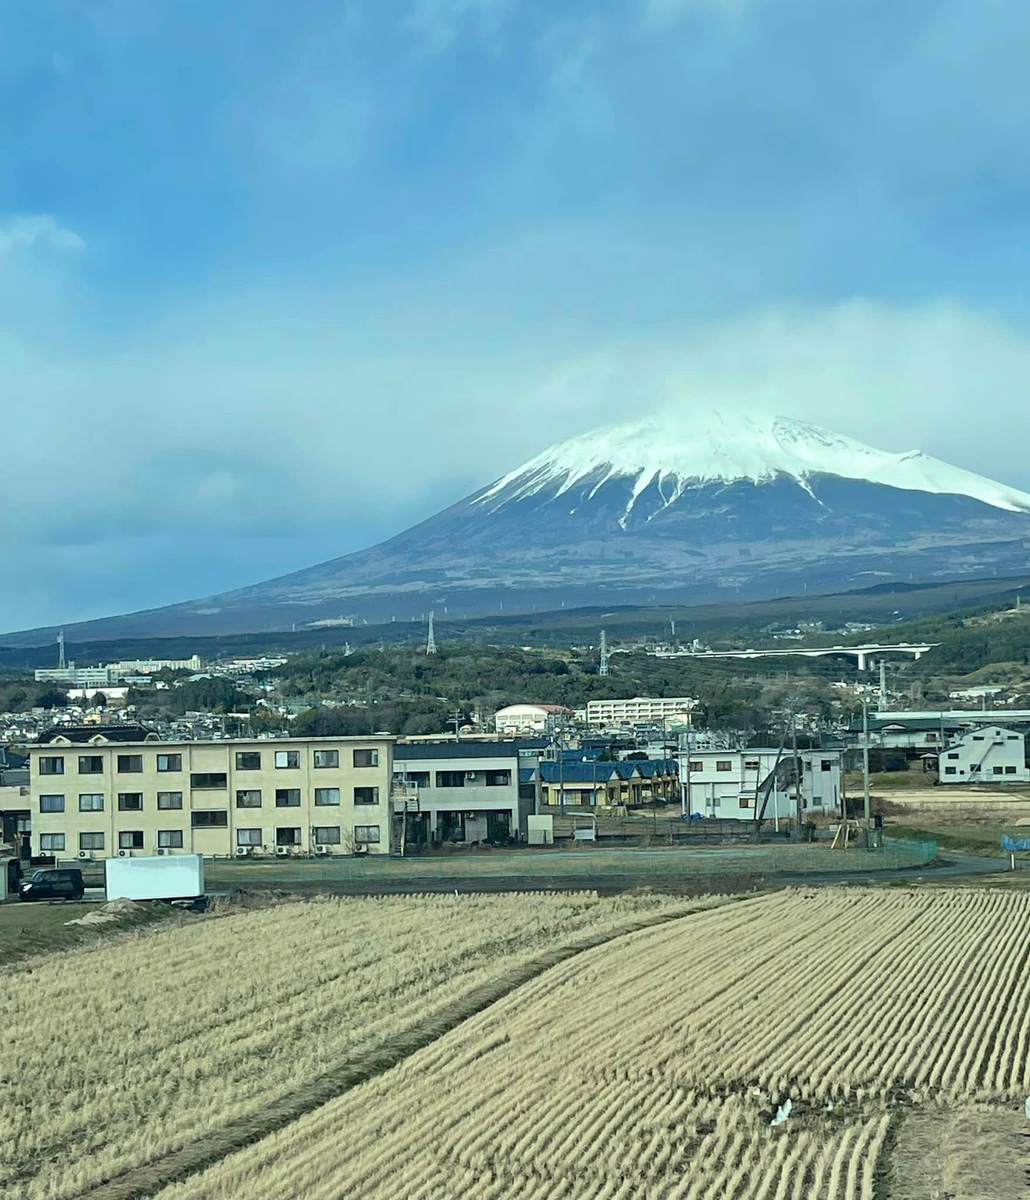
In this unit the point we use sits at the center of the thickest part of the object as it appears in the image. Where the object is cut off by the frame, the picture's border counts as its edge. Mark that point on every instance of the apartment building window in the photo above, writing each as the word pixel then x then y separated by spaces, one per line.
pixel 287 760
pixel 418 777
pixel 752 764
pixel 130 764
pixel 1010 770
pixel 287 837
pixel 50 843
pixel 51 804
pixel 287 797
pixel 209 818
pixel 169 839
pixel 450 779
pixel 366 795
pixel 365 835
pixel 696 766
pixel 327 758
pixel 51 764
pixel 168 800
pixel 91 841
pixel 248 798
pixel 327 835
pixel 949 770
pixel 209 780
pixel 169 762
pixel 745 802
pixel 999 771
pixel 130 801
pixel 91 802
pixel 248 837
pixel 724 764
pixel 955 755
pixel 366 758
pixel 327 796
pixel 130 839
pixel 248 760
pixel 498 778
pixel 91 764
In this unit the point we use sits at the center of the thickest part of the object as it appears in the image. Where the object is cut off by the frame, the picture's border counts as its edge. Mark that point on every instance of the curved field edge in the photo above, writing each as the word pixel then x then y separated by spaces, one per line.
pixel 140 1182
pixel 858 1006
pixel 176 1033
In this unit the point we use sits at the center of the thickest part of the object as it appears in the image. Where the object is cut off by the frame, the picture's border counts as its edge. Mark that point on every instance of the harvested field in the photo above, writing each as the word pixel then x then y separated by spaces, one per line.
pixel 119 1055
pixel 653 1066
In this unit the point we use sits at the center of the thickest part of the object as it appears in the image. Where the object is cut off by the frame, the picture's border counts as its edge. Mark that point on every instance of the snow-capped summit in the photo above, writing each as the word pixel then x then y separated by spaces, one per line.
pixel 677 453
pixel 667 510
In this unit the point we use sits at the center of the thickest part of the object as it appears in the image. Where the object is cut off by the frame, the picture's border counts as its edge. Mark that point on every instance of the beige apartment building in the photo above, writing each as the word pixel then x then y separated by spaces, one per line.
pixel 93 797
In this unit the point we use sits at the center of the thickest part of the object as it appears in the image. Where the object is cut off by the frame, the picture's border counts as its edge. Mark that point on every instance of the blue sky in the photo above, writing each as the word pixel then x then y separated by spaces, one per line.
pixel 278 280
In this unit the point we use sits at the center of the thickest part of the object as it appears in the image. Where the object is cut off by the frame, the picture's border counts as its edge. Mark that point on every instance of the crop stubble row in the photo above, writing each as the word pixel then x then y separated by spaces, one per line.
pixel 650 1067
pixel 123 1053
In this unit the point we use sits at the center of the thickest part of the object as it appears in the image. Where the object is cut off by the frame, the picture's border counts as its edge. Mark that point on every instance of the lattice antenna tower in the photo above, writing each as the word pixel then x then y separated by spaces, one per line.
pixel 60 650
pixel 431 640
pixel 604 654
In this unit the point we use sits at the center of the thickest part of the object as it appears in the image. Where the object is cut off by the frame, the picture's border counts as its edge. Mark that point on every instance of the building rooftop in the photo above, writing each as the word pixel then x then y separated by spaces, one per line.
pixel 102 735
pixel 407 751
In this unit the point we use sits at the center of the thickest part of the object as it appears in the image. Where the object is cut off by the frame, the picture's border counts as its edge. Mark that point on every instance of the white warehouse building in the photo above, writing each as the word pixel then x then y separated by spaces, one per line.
pixel 991 755
pixel 729 783
pixel 641 710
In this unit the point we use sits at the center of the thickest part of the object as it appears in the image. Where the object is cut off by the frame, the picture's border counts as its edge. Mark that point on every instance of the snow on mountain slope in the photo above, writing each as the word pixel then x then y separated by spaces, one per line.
pixel 717 446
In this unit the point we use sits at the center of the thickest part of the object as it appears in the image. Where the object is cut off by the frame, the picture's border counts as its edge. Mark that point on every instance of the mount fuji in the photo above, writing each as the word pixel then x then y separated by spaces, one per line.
pixel 664 510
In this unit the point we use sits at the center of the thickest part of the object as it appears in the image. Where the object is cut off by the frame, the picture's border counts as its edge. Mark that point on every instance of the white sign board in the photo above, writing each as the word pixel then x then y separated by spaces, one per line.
pixel 168 877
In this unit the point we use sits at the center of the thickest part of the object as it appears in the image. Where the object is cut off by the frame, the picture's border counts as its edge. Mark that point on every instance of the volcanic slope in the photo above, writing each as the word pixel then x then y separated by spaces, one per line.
pixel 688 508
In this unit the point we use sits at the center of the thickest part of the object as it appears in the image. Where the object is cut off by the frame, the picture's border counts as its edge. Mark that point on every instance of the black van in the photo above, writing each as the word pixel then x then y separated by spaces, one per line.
pixel 64 883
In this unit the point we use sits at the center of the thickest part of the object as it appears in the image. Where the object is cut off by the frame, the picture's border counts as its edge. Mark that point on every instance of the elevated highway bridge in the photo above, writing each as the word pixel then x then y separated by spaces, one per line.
pixel 862 654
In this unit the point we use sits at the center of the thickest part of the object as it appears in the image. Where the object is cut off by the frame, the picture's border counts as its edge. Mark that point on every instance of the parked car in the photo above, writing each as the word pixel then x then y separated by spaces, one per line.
pixel 64 883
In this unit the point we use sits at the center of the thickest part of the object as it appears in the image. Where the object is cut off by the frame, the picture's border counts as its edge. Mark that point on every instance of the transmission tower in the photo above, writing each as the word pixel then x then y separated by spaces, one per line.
pixel 60 653
pixel 431 640
pixel 604 654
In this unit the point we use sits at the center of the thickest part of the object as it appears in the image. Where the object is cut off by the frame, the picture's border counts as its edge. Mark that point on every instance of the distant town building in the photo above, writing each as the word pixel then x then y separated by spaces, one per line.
pixel 114 672
pixel 641 710
pixel 990 755
pixel 530 718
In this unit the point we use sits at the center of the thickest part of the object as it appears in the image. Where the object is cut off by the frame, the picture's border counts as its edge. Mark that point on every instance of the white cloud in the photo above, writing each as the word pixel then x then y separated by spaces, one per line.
pixel 27 231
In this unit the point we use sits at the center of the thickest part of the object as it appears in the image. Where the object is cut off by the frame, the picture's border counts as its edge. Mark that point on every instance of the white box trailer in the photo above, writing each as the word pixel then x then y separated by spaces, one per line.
pixel 169 877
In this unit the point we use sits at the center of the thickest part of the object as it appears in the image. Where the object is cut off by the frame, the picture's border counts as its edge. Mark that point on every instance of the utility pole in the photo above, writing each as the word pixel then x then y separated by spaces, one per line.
pixel 865 766
pixel 685 794
pixel 456 718
pixel 798 773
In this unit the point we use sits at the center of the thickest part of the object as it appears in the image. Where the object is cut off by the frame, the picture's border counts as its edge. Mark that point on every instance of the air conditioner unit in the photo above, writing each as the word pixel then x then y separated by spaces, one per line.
pixel 83 854
pixel 282 851
pixel 162 851
pixel 124 853
pixel 242 851
pixel 321 849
